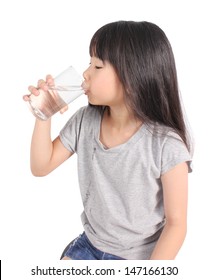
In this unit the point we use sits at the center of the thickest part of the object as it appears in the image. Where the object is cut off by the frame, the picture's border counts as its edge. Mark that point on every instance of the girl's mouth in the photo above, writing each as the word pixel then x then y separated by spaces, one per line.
pixel 85 87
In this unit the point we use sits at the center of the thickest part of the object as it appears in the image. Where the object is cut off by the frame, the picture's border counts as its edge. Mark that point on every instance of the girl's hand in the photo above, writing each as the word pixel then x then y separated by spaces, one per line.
pixel 44 85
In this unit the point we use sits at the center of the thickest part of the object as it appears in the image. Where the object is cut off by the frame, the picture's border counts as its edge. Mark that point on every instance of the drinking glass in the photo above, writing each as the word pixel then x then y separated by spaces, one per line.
pixel 67 87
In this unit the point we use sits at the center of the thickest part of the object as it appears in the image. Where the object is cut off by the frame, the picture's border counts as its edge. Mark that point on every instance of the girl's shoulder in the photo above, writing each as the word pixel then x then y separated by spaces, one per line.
pixel 168 146
pixel 86 114
pixel 162 133
pixel 87 117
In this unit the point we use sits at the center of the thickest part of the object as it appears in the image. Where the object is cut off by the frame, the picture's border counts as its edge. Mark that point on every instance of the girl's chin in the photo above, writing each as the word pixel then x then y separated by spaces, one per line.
pixel 94 103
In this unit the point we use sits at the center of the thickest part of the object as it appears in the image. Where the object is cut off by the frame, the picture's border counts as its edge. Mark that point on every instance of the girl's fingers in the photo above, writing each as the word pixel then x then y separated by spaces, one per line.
pixel 64 109
pixel 33 90
pixel 49 80
pixel 26 97
pixel 43 85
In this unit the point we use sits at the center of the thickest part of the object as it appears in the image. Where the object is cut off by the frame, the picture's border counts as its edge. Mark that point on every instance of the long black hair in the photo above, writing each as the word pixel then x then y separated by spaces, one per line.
pixel 142 57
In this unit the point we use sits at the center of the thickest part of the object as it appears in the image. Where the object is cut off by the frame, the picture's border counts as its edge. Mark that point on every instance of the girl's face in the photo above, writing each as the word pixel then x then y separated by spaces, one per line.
pixel 101 84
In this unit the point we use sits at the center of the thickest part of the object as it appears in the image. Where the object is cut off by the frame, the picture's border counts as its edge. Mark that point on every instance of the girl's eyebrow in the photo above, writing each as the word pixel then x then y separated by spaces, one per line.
pixel 96 58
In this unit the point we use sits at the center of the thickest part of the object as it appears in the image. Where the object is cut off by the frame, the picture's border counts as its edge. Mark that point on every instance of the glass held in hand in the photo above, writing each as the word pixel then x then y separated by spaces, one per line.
pixel 67 87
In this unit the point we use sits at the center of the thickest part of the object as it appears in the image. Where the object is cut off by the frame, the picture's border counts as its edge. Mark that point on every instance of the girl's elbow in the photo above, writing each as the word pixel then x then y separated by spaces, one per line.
pixel 179 226
pixel 37 172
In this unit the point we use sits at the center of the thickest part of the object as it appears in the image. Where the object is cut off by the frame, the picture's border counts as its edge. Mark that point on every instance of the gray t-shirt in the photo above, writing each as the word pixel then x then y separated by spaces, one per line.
pixel 121 187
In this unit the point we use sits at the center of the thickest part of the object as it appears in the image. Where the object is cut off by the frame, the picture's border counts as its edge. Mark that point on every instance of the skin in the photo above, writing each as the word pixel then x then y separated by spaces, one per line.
pixel 103 87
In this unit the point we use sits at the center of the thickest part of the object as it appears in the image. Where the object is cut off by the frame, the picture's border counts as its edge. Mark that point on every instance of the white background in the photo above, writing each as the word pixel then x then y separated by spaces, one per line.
pixel 40 216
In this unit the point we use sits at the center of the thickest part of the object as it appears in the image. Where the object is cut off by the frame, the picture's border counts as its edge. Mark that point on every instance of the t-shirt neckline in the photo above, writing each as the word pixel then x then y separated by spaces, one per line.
pixel 132 140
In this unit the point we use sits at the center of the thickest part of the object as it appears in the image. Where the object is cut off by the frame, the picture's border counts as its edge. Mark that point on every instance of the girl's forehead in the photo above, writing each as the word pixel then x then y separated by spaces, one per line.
pixel 95 58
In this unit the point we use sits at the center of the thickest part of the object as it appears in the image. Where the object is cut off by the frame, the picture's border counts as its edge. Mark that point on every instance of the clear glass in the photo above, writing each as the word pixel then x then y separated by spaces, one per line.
pixel 67 87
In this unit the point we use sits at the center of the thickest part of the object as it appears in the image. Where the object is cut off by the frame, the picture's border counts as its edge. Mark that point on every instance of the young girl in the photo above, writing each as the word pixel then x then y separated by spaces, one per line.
pixel 132 147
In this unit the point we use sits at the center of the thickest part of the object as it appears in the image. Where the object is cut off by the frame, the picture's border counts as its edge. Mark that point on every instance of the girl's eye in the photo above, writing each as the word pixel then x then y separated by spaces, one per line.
pixel 98 67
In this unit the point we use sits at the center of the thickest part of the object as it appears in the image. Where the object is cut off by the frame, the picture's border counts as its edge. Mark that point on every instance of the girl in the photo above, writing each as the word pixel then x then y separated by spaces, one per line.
pixel 132 147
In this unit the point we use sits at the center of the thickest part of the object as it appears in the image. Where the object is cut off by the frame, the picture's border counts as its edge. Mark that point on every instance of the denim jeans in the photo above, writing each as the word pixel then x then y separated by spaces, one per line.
pixel 82 249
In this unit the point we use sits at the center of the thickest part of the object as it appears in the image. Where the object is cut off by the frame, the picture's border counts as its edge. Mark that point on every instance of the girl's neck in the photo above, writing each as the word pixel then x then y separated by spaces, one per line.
pixel 117 126
pixel 120 118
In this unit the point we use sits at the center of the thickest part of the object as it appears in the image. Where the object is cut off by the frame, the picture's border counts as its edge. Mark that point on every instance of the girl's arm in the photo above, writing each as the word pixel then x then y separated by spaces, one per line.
pixel 45 154
pixel 175 191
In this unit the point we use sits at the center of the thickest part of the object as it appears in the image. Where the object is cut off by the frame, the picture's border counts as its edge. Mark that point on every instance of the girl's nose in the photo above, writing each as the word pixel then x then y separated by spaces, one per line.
pixel 85 84
pixel 85 74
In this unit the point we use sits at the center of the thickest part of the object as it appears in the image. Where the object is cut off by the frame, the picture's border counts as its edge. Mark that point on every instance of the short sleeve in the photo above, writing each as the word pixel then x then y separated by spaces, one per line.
pixel 174 152
pixel 69 134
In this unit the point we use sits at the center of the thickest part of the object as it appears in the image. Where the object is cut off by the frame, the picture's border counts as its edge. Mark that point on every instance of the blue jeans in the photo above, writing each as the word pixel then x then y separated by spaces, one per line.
pixel 82 249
